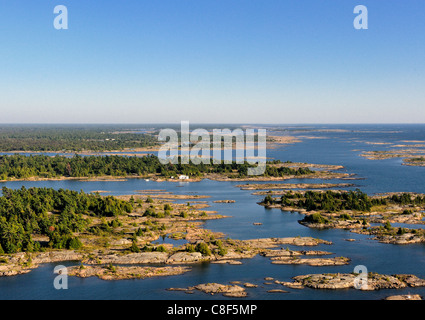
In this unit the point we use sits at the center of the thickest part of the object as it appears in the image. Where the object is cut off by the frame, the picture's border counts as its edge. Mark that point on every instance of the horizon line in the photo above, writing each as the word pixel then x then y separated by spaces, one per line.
pixel 208 123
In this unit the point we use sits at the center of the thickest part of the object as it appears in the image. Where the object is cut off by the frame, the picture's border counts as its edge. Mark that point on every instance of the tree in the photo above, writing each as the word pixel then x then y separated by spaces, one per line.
pixel 74 243
pixel 134 247
pixel 203 248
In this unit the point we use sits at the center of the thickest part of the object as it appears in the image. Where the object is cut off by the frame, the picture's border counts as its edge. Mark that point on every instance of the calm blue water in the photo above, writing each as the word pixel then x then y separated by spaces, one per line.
pixel 327 147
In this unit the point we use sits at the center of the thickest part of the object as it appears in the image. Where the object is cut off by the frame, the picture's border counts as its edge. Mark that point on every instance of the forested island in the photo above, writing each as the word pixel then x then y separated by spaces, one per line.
pixel 42 166
pixel 336 201
pixel 358 212
pixel 329 201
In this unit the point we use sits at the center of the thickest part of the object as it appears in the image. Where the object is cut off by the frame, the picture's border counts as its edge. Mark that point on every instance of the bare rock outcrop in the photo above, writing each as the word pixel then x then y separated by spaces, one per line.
pixel 295 241
pixel 227 290
pixel 234 291
pixel 346 281
pixel 132 258
pixel 124 272
pixel 317 262
pixel 187 257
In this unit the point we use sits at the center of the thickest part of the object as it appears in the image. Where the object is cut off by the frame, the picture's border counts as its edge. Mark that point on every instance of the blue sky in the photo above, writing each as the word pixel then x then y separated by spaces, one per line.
pixel 217 61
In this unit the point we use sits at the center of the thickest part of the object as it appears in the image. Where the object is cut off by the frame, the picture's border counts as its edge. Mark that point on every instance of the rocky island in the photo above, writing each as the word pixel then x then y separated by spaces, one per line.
pixel 357 212
pixel 337 281
pixel 412 155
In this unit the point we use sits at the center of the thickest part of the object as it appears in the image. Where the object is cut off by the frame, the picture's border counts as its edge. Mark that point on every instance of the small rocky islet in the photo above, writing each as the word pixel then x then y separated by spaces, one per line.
pixel 326 281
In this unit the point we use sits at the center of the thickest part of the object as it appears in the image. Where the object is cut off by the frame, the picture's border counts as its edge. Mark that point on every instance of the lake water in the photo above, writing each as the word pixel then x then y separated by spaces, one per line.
pixel 333 144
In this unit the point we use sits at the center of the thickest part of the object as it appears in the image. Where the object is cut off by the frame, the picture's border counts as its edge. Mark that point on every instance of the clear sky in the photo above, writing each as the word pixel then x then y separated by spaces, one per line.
pixel 216 61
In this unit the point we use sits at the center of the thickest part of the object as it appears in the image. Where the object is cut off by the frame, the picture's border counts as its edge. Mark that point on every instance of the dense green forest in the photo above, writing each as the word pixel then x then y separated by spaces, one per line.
pixel 71 138
pixel 53 213
pixel 332 201
pixel 21 167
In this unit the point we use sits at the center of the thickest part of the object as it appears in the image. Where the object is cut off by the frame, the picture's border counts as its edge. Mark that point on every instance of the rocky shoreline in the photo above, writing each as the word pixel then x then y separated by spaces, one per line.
pixel 288 186
pixel 21 263
pixel 133 265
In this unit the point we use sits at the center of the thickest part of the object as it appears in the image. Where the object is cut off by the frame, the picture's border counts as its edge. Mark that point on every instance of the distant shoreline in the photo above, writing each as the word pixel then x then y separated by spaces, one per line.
pixel 214 177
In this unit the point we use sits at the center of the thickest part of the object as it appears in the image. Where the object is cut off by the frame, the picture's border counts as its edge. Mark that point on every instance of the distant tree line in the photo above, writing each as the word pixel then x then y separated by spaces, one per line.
pixel 22 167
pixel 68 138
pixel 57 214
